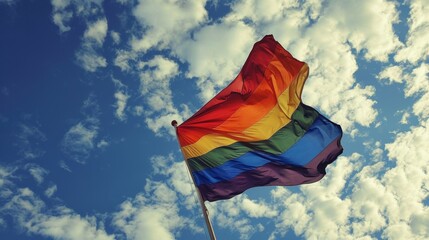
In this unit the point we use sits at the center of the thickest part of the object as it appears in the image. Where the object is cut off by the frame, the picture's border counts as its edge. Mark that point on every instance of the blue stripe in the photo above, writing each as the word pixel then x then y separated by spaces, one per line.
pixel 314 141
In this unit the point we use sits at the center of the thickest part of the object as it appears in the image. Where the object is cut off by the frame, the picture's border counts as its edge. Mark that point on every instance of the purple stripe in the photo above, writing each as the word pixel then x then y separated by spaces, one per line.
pixel 272 174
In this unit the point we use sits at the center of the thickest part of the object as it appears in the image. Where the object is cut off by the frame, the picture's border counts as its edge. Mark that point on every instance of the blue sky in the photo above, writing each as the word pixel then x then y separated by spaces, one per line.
pixel 88 89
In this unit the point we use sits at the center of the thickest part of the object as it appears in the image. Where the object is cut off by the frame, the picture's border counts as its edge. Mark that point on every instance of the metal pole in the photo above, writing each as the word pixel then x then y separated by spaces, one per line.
pixel 200 199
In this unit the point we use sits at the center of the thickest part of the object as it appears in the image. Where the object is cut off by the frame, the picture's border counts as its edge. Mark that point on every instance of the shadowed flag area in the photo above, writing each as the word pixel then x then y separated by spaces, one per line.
pixel 257 131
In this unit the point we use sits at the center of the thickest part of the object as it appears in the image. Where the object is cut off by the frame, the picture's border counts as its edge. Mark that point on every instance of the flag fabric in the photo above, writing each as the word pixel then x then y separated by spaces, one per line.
pixel 257 132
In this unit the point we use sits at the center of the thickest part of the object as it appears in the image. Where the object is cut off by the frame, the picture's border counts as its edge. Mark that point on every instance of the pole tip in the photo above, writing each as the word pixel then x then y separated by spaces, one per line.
pixel 174 123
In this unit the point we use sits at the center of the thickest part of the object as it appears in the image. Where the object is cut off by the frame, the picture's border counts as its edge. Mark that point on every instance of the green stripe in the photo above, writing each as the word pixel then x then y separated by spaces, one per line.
pixel 302 119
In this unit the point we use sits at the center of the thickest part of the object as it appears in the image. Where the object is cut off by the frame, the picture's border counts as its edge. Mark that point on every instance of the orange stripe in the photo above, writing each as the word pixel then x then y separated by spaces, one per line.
pixel 261 101
pixel 276 118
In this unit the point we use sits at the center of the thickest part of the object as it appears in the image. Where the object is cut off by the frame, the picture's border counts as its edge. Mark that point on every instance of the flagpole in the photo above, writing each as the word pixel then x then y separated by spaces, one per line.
pixel 200 198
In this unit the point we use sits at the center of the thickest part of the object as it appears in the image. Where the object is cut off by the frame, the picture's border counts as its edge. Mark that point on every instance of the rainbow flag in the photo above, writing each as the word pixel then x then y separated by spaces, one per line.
pixel 257 132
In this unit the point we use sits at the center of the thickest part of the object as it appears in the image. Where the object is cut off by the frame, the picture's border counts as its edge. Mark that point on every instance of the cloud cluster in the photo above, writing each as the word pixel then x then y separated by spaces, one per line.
pixel 155 77
pixel 93 40
pixel 31 215
pixel 88 56
pixel 155 213
pixel 159 21
pixel 64 10
pixel 417 46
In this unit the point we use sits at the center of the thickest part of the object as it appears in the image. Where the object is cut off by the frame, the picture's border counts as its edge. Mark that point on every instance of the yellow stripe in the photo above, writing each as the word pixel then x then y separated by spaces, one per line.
pixel 278 116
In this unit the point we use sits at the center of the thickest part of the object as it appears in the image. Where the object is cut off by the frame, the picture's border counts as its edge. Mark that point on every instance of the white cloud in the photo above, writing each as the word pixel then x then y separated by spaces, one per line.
pixel 416 79
pixel 64 10
pixel 160 20
pixel 121 103
pixel 60 4
pixel 392 74
pixel 123 59
pixel 93 39
pixel 36 171
pixel 121 97
pixel 103 144
pixel 417 84
pixel 405 117
pixel 227 214
pixel 50 191
pixel 255 209
pixel 115 37
pixel 138 110
pixel 370 29
pixel 61 19
pixel 162 164
pixel 62 13
pixel 155 80
pixel 408 182
pixel 178 176
pixel 90 60
pixel 154 214
pixel 417 46
pixel 147 222
pixel 96 31
pixel 60 16
pixel 215 55
pixel 158 208
pixel 29 213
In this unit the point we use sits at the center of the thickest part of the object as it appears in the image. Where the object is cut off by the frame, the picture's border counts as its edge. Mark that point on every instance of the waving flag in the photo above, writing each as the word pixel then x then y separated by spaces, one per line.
pixel 257 132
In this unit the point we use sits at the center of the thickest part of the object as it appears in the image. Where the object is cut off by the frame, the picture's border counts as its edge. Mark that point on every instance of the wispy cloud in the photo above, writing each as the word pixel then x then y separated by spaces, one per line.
pixel 36 171
pixel 6 176
pixel 50 191
pixel 64 10
pixel 103 144
pixel 9 2
pixel 30 141
pixel 80 139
